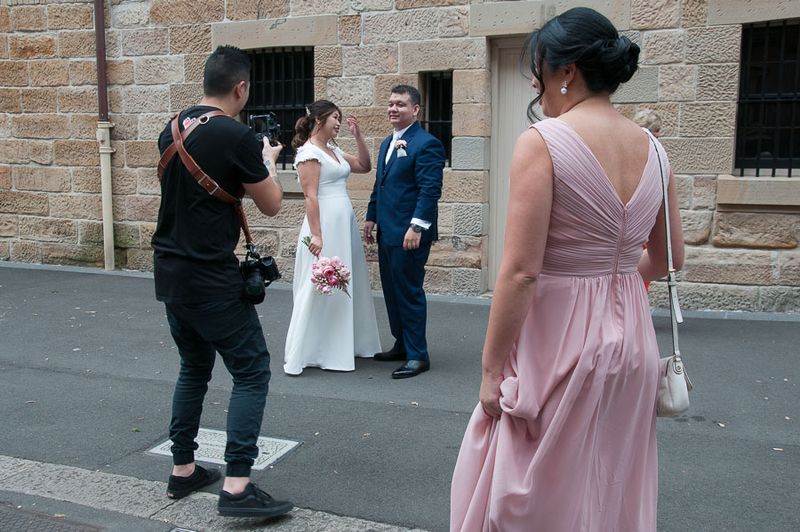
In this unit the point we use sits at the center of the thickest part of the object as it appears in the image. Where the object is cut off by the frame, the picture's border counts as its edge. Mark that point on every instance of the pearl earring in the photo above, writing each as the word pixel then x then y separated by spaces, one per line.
pixel 563 87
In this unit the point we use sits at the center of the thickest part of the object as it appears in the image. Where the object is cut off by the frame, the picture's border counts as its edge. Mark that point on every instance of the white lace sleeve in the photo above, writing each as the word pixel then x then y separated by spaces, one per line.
pixel 306 152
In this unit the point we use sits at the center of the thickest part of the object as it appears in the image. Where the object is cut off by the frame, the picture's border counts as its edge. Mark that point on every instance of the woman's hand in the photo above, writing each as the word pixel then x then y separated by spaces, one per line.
pixel 490 394
pixel 352 124
pixel 315 245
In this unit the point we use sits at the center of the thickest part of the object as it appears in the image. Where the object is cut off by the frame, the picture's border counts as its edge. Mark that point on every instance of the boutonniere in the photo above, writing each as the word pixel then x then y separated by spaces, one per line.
pixel 400 145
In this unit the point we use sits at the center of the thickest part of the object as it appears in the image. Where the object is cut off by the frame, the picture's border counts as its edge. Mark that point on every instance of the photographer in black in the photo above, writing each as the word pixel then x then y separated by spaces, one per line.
pixel 197 276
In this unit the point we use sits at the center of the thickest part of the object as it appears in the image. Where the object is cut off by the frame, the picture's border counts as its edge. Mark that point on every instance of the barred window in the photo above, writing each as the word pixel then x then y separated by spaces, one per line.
pixel 282 82
pixel 438 107
pixel 768 117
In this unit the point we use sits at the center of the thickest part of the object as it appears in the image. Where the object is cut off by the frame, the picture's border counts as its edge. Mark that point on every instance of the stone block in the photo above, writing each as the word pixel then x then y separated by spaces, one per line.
pixel 183 95
pixel 461 186
pixel 86 179
pixel 642 87
pixel 3 46
pixel 16 202
pixel 151 125
pixel 14 151
pixel 707 296
pixel 788 268
pixel 146 231
pixel 147 182
pixel 73 44
pixel 351 92
pixel 10 101
pixel 83 72
pixel 139 260
pixel 470 153
pixel 141 153
pixel 506 18
pixel 700 155
pixel 471 86
pixel 40 151
pixel 327 61
pixel 195 39
pixel 76 206
pixel 5 177
pixel 470 219
pixel 756 230
pixel 14 73
pixel 694 13
pixel 320 88
pixel 26 252
pixel 41 178
pixel 126 126
pixel 70 16
pixel 142 208
pixel 118 157
pixel 468 281
pixel 130 14
pixel 653 14
pixel 369 60
pixel 76 153
pixel 704 192
pixel 149 41
pixel 668 112
pixel 373 122
pixel 456 252
pixel 146 99
pixel 41 126
pixel 31 46
pixel 714 44
pixel 249 10
pixel 120 72
pixel 402 26
pixel 385 82
pixel 779 299
pixel 72 254
pixel 472 120
pixel 438 280
pixel 415 4
pixel 685 186
pixel 5 19
pixel 727 266
pixel 371 5
pixel 83 126
pixel 48 229
pixel 9 225
pixel 158 70
pixel 677 83
pixel 28 18
pixel 318 7
pixel 447 54
pixel 359 186
pixel 193 66
pixel 350 29
pixel 696 226
pixel 49 72
pixel 174 12
pixel 708 119
pixel 77 99
pixel 317 30
pixel 126 235
pixel 5 125
pixel 717 82
pixel 662 47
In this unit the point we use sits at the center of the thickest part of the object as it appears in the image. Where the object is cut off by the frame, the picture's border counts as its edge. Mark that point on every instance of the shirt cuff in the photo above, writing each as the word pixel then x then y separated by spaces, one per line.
pixel 422 223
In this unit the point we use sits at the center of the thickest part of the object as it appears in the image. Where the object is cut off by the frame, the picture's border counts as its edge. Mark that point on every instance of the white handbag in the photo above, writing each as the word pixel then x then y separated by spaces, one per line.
pixel 674 386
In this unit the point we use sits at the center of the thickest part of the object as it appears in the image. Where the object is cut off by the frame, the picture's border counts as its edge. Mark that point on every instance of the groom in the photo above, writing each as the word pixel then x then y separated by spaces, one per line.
pixel 403 204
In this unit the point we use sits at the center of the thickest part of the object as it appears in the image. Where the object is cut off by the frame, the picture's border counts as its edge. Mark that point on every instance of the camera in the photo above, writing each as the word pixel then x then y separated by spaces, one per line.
pixel 265 125
pixel 257 273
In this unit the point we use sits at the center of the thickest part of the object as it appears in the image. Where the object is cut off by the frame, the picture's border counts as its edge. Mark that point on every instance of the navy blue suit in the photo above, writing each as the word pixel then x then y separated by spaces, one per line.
pixel 405 188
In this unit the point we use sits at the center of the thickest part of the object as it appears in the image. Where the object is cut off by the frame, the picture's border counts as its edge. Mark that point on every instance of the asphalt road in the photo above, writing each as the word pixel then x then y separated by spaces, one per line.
pixel 87 368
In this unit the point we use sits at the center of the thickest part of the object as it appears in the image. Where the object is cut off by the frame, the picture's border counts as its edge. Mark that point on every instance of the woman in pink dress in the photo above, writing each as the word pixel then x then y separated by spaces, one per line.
pixel 564 437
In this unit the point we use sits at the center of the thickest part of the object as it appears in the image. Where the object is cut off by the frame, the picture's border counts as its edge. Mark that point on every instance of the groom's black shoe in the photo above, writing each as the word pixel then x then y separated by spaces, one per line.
pixel 412 368
pixel 391 355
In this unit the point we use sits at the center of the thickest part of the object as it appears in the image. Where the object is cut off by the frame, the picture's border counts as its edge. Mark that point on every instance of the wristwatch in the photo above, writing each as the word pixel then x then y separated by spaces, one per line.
pixel 416 228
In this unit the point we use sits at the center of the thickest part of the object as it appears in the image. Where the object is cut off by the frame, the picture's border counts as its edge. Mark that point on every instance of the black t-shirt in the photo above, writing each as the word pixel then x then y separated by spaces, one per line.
pixel 197 234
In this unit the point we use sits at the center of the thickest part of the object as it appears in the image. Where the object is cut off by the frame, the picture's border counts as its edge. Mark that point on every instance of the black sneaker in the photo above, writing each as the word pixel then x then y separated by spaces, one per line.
pixel 180 487
pixel 252 502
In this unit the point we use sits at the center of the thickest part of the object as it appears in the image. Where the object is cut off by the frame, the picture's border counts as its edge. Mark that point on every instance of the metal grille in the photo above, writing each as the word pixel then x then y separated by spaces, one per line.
pixel 282 82
pixel 768 118
pixel 439 108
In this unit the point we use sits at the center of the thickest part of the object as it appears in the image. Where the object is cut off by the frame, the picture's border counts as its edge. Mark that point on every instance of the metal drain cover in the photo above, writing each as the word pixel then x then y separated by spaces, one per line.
pixel 211 448
pixel 22 520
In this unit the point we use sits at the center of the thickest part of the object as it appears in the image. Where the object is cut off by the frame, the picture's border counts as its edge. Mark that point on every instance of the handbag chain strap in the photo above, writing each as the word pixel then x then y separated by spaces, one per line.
pixel 672 282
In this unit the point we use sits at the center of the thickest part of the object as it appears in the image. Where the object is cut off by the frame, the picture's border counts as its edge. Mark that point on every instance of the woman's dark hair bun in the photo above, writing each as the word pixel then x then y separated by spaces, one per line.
pixel 610 61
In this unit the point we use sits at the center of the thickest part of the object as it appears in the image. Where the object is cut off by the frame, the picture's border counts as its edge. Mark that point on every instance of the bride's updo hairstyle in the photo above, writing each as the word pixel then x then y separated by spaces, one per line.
pixel 589 40
pixel 317 111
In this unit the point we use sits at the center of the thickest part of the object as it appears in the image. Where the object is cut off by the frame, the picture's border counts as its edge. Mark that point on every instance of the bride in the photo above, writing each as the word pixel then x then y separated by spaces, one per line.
pixel 328 331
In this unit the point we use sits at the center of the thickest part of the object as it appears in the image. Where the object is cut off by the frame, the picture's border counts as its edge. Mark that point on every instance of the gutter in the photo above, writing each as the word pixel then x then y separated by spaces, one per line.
pixel 104 135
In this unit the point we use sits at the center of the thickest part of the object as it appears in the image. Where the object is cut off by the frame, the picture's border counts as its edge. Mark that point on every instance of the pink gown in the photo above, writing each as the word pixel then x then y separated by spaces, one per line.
pixel 575 447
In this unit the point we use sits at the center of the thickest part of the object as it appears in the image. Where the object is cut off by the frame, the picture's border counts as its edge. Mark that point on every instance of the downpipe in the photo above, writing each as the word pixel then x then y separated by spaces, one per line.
pixel 104 140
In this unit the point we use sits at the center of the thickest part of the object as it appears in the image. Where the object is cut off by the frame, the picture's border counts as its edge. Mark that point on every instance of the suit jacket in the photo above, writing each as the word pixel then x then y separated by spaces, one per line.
pixel 407 187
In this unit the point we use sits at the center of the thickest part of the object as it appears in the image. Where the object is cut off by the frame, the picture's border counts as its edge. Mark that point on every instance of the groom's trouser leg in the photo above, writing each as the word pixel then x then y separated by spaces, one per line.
pixel 387 284
pixel 408 275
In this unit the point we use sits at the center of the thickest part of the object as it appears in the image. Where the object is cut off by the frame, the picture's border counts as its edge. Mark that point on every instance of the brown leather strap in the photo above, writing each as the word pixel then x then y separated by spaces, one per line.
pixel 205 181
pixel 169 153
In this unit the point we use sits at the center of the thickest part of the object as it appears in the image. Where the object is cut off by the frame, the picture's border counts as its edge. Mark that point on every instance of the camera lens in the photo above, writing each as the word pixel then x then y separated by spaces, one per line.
pixel 254 286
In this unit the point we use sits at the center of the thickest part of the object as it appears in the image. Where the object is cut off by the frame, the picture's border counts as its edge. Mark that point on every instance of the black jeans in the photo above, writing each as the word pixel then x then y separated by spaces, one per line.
pixel 231 328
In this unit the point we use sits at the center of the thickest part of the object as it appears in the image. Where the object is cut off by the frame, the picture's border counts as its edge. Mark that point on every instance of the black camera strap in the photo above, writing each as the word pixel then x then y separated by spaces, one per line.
pixel 205 181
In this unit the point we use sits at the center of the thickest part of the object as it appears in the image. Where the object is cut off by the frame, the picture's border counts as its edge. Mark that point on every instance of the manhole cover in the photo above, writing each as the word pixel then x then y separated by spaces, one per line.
pixel 13 519
pixel 211 448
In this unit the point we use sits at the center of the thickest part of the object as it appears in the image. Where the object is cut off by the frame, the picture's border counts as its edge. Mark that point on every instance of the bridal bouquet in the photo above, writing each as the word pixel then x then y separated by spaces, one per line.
pixel 327 274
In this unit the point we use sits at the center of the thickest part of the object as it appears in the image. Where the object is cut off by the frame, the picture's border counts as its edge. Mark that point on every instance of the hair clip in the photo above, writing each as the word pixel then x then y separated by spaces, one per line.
pixel 308 113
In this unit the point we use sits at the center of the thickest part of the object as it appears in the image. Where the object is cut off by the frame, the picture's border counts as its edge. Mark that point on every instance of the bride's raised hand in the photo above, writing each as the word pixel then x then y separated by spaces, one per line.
pixel 352 125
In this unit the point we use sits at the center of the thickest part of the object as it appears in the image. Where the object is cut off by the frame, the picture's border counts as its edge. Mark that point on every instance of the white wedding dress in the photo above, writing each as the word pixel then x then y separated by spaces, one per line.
pixel 329 331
